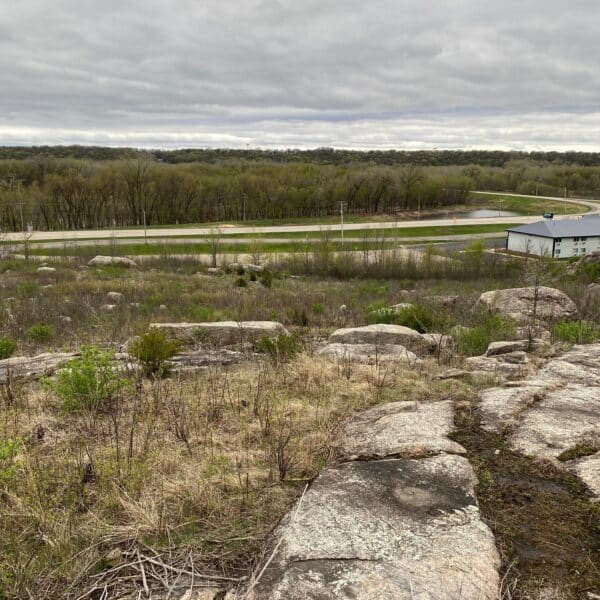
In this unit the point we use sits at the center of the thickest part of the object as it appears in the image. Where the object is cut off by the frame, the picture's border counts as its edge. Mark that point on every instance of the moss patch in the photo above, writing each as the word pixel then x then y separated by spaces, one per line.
pixel 546 529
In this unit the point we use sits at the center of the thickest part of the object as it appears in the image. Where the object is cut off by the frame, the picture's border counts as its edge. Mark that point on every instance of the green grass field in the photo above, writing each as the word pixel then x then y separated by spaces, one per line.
pixel 525 205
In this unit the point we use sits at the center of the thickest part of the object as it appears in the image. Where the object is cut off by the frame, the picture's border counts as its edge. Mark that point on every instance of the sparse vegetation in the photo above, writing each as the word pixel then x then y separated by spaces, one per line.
pixel 40 333
pixel 89 383
pixel 473 341
pixel 154 349
pixel 7 347
pixel 576 332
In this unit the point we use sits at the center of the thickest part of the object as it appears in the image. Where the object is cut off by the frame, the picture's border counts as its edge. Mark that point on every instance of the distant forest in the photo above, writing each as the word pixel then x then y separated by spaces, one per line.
pixel 78 187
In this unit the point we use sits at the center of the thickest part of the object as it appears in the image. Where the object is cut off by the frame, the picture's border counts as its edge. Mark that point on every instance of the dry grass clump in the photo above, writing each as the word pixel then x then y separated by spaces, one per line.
pixel 203 465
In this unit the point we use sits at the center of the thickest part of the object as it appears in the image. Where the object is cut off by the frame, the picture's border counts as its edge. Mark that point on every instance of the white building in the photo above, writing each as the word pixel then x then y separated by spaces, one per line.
pixel 556 239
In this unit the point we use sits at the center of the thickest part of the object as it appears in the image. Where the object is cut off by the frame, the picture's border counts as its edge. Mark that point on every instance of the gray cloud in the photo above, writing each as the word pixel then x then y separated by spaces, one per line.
pixel 389 73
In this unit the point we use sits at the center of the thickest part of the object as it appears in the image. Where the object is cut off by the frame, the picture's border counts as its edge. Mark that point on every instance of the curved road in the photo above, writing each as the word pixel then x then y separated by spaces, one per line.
pixel 166 232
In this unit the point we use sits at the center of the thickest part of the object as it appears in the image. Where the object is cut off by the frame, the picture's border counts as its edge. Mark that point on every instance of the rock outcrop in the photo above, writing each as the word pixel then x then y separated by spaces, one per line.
pixel 368 353
pixel 509 365
pixel 553 412
pixel 409 429
pixel 107 261
pixel 223 333
pixel 31 367
pixel 382 528
pixel 518 304
pixel 395 529
pixel 381 334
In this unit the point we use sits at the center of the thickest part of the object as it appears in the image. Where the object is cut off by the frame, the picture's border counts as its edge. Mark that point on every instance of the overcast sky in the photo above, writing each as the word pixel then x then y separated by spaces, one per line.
pixel 410 74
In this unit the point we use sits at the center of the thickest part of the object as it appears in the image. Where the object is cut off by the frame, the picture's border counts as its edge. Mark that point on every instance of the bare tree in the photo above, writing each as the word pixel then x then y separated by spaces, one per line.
pixel 214 242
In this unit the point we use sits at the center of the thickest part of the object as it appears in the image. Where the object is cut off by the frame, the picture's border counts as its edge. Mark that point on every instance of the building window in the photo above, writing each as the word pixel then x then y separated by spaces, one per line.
pixel 558 240
pixel 557 253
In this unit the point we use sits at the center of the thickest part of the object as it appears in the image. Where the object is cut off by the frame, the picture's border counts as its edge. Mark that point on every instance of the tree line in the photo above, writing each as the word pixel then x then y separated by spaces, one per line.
pixel 325 155
pixel 66 193
pixel 75 194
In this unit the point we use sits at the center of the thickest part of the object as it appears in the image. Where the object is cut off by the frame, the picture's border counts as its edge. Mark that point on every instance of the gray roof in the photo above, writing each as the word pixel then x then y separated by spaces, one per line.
pixel 588 226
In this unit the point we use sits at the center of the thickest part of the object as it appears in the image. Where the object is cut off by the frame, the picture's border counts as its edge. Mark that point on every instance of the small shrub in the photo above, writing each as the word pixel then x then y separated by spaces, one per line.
pixel 40 333
pixel 417 317
pixel 592 271
pixel 267 278
pixel 576 332
pixel 28 289
pixel 154 349
pixel 240 270
pixel 241 282
pixel 475 340
pixel 252 276
pixel 318 308
pixel 7 347
pixel 88 383
pixel 281 348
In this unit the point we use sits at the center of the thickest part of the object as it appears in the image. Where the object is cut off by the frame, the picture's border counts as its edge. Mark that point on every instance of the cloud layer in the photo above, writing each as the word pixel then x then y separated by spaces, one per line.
pixel 282 73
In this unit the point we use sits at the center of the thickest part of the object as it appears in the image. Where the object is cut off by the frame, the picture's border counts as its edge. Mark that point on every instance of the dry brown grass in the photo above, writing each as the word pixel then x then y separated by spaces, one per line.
pixel 208 462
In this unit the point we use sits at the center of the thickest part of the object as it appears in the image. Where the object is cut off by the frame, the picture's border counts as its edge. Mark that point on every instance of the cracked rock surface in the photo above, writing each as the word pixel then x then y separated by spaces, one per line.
pixel 407 428
pixel 388 529
pixel 31 367
pixel 556 410
pixel 368 353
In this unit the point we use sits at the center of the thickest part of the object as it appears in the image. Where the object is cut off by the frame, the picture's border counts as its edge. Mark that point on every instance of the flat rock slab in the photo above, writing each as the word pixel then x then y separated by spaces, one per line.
pixel 564 418
pixel 380 334
pixel 581 365
pixel 396 529
pixel 223 333
pixel 400 428
pixel 31 367
pixel 500 407
pixel 368 353
pixel 513 364
pixel 588 470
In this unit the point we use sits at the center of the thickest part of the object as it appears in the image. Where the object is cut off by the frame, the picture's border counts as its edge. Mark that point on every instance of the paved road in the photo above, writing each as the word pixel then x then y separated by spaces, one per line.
pixel 164 232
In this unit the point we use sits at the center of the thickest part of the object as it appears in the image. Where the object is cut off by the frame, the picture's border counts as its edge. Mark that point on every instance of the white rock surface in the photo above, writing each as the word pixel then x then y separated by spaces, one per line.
pixel 30 367
pixel 368 353
pixel 46 270
pixel 513 364
pixel 381 333
pixel 396 529
pixel 518 304
pixel 114 297
pixel 497 348
pixel 501 407
pixel 106 261
pixel 564 418
pixel 223 333
pixel 409 429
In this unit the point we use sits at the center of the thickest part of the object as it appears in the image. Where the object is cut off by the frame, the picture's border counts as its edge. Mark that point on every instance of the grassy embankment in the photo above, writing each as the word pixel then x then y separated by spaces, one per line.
pixel 525 205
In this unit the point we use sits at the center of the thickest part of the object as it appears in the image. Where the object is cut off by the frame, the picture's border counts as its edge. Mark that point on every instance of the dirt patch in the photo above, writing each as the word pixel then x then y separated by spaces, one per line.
pixel 546 529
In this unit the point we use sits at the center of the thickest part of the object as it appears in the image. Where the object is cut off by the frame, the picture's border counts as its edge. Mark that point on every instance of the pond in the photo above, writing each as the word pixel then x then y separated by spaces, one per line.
pixel 482 213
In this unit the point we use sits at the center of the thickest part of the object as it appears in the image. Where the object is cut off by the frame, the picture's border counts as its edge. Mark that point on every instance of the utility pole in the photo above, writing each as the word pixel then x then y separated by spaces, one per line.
pixel 145 232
